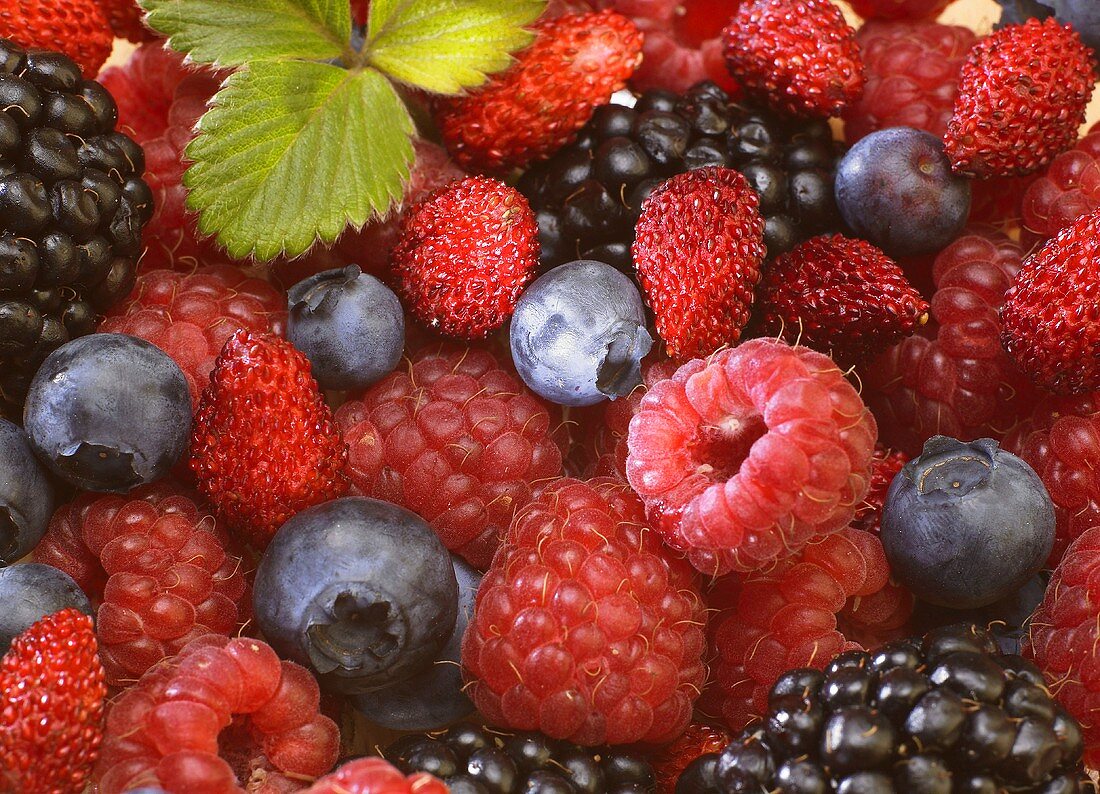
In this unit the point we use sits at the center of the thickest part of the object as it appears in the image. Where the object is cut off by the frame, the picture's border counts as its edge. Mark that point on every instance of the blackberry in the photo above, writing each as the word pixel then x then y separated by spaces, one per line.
pixel 946 713
pixel 588 195
pixel 474 760
pixel 72 207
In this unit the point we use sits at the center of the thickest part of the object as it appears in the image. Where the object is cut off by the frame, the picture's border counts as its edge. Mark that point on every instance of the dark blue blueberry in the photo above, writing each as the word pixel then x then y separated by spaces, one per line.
pixel 966 524
pixel 895 188
pixel 108 412
pixel 579 335
pixel 30 592
pixel 1014 12
pixel 434 698
pixel 349 325
pixel 359 590
pixel 26 497
pixel 1083 15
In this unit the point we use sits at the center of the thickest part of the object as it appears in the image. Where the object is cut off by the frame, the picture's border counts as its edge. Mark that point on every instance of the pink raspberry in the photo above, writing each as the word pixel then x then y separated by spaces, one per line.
pixel 585 628
pixel 747 456
pixel 375 776
pixel 143 89
pixel 1068 189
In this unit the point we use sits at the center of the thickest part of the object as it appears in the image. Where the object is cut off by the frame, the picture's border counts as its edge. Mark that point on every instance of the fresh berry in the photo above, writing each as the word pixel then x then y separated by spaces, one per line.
pixel 26 495
pixel 841 296
pixel 529 111
pixel 1047 319
pixel 899 9
pixel 798 56
pixel 221 713
pixel 51 706
pixel 1021 98
pixel 77 28
pixel 912 74
pixel 885 465
pixel 72 207
pixel 1068 189
pixel 698 250
pixel 108 412
pixel 375 776
pixel 264 445
pixel 190 316
pixel 699 739
pixel 953 379
pixel 125 18
pixel 747 456
pixel 579 334
pixel 144 87
pixel 464 255
pixel 989 503
pixel 32 591
pixel 997 201
pixel 455 438
pixel 586 628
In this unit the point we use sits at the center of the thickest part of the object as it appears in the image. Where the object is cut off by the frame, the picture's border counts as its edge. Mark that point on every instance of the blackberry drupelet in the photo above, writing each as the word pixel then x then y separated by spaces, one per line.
pixel 587 196
pixel 474 760
pixel 72 207
pixel 946 714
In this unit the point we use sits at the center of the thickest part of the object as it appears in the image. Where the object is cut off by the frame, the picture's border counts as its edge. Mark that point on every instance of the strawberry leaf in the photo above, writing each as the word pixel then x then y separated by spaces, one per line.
pixel 447 45
pixel 291 152
pixel 235 32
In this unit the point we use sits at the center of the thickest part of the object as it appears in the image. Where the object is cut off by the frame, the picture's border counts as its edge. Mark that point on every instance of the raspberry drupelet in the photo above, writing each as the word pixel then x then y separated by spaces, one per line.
pixel 1068 189
pixel 375 776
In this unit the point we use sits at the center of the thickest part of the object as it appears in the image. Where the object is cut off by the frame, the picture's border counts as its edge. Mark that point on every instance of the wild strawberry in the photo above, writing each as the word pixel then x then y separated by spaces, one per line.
pixel 77 28
pixel 885 464
pixel 698 248
pixel 529 111
pixel 1022 95
pixel 264 445
pixel 125 18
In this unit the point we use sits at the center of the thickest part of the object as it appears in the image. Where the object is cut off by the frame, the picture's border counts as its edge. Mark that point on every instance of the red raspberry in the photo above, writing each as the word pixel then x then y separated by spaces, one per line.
pixel 375 776
pixel 912 73
pixel 455 438
pixel 670 762
pixel 954 380
pixel 799 56
pixel 585 628
pixel 126 18
pixel 885 465
pixel 51 706
pixel 223 715
pixel 1068 189
pixel 144 88
pixel 899 9
pixel 157 566
pixel 77 28
pixel 996 201
pixel 264 445
pixel 747 456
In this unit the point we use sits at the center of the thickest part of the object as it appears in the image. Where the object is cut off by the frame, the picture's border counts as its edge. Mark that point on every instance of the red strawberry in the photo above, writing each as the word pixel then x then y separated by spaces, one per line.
pixel 126 19
pixel 1022 95
pixel 800 56
pixel 529 111
pixel 77 28
pixel 698 249
pixel 264 445
pixel 51 706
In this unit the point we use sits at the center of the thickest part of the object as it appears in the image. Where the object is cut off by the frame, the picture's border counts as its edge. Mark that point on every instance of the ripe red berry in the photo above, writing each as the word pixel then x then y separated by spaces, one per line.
pixel 670 761
pixel 126 20
pixel 885 465
pixel 375 776
pixel 1068 189
pixel 77 28
pixel 899 9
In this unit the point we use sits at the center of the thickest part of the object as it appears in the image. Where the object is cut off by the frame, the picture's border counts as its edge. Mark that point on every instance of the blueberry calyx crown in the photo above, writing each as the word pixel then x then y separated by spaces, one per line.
pixel 949 469
pixel 620 370
pixel 357 633
pixel 320 293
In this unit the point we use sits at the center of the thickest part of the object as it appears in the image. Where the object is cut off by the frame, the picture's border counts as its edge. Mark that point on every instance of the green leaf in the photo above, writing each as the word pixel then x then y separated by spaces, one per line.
pixel 447 45
pixel 293 151
pixel 235 32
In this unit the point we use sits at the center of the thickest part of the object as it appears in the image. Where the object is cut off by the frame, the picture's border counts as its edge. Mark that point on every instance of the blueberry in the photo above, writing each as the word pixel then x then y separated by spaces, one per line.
pixel 895 188
pixel 108 412
pixel 966 524
pixel 578 334
pixel 359 590
pixel 26 497
pixel 349 325
pixel 434 698
pixel 30 592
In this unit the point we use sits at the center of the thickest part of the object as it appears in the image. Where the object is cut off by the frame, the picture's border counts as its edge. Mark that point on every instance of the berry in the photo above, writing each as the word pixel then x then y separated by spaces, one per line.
pixel 1047 323
pixel 78 28
pixel 108 412
pixel 737 463
pixel 840 296
pixel 699 739
pixel 455 438
pixel 899 9
pixel 1068 189
pixel 190 316
pixel 698 251
pixel 374 776
pixel 990 505
pixel 585 628
pixel 144 88
pixel 32 591
pixel 219 714
pixel 51 705
pixel 798 56
pixel 529 111
pixel 885 465
pixel 579 334
pixel 125 18
pixel 465 254
pixel 896 188
pixel 1021 98
pixel 912 72
pixel 26 495
pixel 264 445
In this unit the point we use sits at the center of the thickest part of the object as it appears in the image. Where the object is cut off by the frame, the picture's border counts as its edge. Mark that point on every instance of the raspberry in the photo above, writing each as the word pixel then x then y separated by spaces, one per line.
pixel 899 9
pixel 671 761
pixel 954 380
pixel 375 776
pixel 1068 189
pixel 77 28
pixel 222 714
pixel 144 88
pixel 455 438
pixel 584 627
pixel 912 71
pixel 885 465
pixel 996 201
pixel 157 566
pixel 745 457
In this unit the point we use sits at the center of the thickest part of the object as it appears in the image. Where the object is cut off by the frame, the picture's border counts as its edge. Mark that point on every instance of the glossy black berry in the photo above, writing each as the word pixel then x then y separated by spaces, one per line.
pixel 700 776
